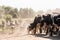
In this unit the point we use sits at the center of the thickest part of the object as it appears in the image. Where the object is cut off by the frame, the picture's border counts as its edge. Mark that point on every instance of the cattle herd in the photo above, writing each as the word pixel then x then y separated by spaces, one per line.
pixel 47 24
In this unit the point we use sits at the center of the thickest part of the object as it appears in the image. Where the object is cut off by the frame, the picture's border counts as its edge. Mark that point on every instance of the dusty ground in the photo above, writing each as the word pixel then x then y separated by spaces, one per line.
pixel 21 33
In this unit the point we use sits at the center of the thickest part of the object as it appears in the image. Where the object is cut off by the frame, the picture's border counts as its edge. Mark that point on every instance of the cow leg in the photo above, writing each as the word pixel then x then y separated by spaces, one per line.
pixel 37 26
pixel 56 28
pixel 35 31
pixel 40 29
pixel 57 31
pixel 47 31
pixel 51 32
pixel 45 28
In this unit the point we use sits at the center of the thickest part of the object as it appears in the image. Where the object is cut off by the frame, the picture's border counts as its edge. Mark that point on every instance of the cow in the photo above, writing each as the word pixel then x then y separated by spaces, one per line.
pixel 39 22
pixel 32 25
pixel 35 25
pixel 57 22
pixel 48 21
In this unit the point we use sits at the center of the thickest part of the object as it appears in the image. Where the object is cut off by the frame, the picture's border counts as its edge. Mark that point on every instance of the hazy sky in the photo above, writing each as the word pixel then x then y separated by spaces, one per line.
pixel 34 4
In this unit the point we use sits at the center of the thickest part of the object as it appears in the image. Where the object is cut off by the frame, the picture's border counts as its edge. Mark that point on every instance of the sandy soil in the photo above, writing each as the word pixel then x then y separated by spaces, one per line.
pixel 21 33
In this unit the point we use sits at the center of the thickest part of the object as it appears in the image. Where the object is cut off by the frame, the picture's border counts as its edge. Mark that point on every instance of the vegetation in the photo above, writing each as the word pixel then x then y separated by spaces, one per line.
pixel 9 14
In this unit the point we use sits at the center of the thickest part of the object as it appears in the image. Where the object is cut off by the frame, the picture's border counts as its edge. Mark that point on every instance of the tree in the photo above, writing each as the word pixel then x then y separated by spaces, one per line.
pixel 7 9
pixel 31 13
pixel 23 12
pixel 13 13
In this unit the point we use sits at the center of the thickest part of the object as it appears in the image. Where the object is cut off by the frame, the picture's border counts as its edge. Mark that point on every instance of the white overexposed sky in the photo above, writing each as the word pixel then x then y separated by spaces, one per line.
pixel 34 4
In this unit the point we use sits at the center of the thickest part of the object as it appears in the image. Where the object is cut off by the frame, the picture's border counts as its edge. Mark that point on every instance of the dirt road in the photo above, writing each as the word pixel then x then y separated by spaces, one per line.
pixel 21 34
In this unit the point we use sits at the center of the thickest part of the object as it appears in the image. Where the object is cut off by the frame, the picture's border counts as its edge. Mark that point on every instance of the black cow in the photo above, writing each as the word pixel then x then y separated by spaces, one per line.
pixel 57 22
pixel 33 25
pixel 39 19
pixel 48 20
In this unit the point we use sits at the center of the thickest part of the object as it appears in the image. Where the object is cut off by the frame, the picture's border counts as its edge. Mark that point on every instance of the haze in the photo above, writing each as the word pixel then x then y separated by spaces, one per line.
pixel 34 4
